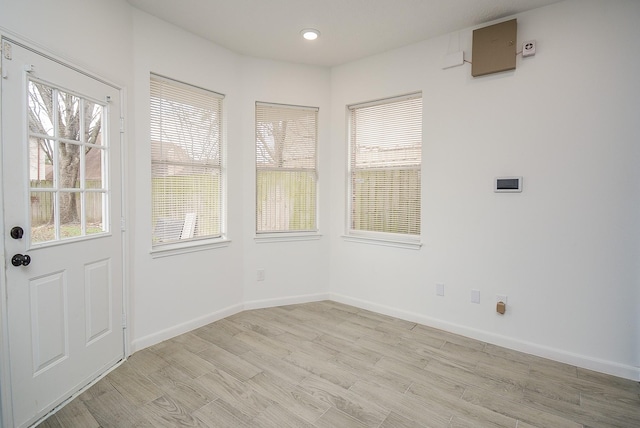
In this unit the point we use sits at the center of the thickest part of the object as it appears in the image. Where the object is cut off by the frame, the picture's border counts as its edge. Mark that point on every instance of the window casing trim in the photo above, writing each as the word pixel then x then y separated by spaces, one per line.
pixel 296 234
pixel 386 239
pixel 218 240
pixel 190 246
pixel 409 241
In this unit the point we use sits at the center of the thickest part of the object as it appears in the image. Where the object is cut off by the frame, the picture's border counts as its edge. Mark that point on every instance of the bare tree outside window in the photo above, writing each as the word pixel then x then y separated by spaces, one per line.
pixel 65 131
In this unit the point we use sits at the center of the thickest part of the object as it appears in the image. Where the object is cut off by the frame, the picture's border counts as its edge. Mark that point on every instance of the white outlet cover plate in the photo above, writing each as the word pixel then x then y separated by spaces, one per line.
pixel 475 296
pixel 501 298
pixel 439 289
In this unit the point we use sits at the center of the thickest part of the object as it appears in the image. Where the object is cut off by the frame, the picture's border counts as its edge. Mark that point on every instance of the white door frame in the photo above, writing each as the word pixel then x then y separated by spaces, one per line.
pixel 6 413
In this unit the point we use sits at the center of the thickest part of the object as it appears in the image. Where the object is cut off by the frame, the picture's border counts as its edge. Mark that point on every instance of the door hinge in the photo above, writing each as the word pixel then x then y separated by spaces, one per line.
pixel 123 224
pixel 6 50
pixel 122 125
pixel 124 321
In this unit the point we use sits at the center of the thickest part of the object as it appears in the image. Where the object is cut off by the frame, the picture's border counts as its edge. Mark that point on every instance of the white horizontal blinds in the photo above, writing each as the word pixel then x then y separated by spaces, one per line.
pixel 385 163
pixel 186 143
pixel 286 196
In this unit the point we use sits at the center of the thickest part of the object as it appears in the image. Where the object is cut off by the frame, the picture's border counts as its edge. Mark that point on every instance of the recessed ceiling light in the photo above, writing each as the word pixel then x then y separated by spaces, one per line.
pixel 310 33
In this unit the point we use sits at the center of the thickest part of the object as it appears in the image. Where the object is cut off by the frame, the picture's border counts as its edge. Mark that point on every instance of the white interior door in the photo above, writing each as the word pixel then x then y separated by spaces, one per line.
pixel 63 242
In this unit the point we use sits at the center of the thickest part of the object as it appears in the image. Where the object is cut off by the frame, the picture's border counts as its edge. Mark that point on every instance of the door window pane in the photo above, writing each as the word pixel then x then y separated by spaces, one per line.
pixel 68 110
pixel 94 214
pixel 94 160
pixel 69 165
pixel 41 113
pixel 42 219
pixel 68 155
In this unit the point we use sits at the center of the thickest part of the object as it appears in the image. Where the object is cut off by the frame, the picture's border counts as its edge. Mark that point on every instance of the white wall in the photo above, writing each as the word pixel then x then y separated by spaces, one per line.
pixel 174 294
pixel 94 35
pixel 294 271
pixel 565 250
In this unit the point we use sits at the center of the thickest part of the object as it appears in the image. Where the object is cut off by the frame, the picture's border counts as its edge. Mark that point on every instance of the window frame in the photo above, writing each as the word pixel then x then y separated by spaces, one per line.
pixel 389 239
pixel 205 242
pixel 287 235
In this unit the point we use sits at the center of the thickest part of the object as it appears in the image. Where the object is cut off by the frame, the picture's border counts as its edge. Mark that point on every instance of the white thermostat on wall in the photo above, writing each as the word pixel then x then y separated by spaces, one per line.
pixel 507 184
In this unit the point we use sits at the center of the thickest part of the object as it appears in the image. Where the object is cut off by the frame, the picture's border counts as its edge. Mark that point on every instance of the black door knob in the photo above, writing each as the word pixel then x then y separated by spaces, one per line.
pixel 20 260
pixel 17 232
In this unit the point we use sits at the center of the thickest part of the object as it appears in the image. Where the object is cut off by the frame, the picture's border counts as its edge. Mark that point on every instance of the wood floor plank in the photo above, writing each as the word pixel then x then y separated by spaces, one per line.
pixel 289 396
pixel 112 410
pixel 617 383
pixel 323 369
pixel 395 352
pixel 51 422
pixel 348 347
pixel 629 417
pixel 316 349
pixel 249 322
pixel 334 418
pixel 133 386
pixel 552 389
pixel 237 394
pixel 103 386
pixel 450 337
pixel 515 409
pixel 146 361
pixel 222 333
pixel 276 366
pixel 238 367
pixel 263 344
pixel 182 388
pixel 584 415
pixel 468 377
pixel 462 409
pixel 214 415
pixel 395 420
pixel 276 416
pixel 381 375
pixel 187 361
pixel 326 364
pixel 188 341
pixel 76 415
pixel 409 406
pixel 353 404
pixel 167 412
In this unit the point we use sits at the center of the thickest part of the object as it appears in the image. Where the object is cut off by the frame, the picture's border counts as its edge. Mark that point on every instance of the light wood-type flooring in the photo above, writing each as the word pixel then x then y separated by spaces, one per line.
pixel 329 365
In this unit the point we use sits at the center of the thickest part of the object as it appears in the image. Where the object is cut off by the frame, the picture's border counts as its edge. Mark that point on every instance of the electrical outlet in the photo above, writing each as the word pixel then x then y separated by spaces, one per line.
pixel 261 274
pixel 501 298
pixel 475 296
pixel 439 289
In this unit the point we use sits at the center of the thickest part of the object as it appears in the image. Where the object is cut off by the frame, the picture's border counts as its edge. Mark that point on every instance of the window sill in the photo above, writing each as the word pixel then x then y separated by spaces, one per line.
pixel 267 238
pixel 384 241
pixel 188 247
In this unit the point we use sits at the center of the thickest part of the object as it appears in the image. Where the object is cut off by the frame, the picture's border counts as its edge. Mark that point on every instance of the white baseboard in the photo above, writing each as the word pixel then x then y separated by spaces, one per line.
pixel 186 327
pixel 602 366
pixel 282 301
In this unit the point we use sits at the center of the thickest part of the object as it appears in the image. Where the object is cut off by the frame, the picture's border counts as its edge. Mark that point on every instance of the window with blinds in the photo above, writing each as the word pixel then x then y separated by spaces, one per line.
pixel 286 177
pixel 186 145
pixel 385 143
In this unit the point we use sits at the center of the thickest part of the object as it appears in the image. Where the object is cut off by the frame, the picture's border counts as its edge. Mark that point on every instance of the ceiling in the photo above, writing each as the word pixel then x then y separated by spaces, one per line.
pixel 350 29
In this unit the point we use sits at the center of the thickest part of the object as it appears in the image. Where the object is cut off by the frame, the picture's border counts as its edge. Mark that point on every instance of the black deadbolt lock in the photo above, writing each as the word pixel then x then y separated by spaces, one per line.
pixel 17 232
